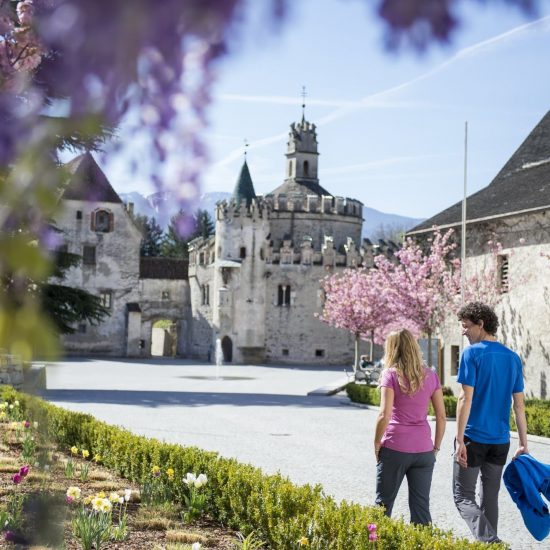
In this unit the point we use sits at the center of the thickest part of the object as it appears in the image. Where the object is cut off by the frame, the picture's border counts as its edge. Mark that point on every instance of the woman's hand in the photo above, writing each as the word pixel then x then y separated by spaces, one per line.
pixel 377 452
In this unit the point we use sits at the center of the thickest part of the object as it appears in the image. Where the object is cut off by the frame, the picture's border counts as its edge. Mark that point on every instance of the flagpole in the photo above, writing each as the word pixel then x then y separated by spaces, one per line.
pixel 463 227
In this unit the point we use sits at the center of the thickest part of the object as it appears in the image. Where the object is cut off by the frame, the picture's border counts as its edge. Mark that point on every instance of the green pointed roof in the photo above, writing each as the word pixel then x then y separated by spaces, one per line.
pixel 244 189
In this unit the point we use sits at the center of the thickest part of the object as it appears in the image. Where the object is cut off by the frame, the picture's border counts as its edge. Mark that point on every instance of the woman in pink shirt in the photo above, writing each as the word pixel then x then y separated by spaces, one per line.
pixel 402 442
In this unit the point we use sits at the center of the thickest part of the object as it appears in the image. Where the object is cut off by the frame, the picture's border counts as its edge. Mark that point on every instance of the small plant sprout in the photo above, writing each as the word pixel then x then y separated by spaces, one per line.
pixel 84 471
pixel 250 542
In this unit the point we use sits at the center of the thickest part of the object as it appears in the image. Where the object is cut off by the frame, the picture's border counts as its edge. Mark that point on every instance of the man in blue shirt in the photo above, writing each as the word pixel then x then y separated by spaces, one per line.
pixel 491 377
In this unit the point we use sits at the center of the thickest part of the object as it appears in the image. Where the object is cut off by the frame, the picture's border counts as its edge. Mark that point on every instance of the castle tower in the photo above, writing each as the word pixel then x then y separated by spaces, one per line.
pixel 242 226
pixel 302 155
pixel 244 188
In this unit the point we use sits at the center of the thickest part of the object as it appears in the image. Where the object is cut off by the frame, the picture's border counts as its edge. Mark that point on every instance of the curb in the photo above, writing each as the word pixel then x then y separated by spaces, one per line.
pixel 329 389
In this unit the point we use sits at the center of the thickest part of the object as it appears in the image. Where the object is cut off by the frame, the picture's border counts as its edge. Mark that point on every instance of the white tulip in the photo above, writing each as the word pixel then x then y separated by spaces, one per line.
pixel 189 479
pixel 200 481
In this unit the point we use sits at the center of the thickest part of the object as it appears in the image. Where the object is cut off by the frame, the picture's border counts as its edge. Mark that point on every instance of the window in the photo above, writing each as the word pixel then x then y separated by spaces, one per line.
pixel 306 168
pixel 205 295
pixel 319 353
pixel 102 221
pixel 283 298
pixel 242 253
pixel 201 258
pixel 455 356
pixel 106 297
pixel 82 329
pixel 165 295
pixel 79 214
pixel 63 249
pixel 503 270
pixel 285 353
pixel 88 255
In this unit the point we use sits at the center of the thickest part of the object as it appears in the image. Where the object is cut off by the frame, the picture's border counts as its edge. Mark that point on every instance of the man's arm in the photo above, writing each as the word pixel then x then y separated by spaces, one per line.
pixel 521 423
pixel 462 414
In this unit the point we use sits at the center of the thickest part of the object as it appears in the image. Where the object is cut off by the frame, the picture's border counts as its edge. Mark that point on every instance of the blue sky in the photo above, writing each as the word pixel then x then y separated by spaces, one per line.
pixel 390 127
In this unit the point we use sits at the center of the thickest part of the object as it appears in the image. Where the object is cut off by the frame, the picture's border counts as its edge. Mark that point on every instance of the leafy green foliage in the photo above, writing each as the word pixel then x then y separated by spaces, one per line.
pixel 241 496
pixel 66 305
pixel 175 245
pixel 152 233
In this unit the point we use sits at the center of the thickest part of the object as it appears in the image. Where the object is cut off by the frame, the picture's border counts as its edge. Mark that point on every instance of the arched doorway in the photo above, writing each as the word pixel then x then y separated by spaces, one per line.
pixel 227 348
pixel 164 338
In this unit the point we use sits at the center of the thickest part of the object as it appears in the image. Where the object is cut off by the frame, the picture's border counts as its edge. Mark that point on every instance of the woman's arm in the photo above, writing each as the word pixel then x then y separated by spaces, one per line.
pixel 440 418
pixel 386 406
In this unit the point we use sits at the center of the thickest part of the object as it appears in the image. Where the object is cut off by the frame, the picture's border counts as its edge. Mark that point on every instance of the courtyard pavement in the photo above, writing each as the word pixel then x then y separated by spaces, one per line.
pixel 263 415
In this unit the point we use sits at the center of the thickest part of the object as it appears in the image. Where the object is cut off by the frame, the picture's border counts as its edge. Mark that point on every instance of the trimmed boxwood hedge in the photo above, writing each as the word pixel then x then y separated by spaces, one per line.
pixel 240 496
pixel 537 411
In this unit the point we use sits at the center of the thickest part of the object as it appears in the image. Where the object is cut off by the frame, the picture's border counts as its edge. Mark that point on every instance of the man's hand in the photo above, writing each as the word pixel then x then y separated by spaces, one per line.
pixel 461 454
pixel 520 451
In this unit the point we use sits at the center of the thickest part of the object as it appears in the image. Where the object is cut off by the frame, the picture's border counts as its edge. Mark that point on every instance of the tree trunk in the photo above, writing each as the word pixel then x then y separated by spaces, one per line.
pixel 371 344
pixel 356 362
pixel 429 348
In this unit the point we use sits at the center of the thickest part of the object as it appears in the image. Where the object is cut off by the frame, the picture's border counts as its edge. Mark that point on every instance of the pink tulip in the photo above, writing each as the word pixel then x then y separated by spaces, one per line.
pixel 373 536
pixel 17 479
pixel 23 471
pixel 372 527
pixel 27 424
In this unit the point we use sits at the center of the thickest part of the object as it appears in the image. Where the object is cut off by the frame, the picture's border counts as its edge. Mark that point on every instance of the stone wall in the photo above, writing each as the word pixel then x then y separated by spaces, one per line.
pixel 524 310
pixel 116 269
pixel 11 371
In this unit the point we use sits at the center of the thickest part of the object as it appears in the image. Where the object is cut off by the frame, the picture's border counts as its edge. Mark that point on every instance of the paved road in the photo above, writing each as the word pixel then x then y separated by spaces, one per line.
pixel 263 416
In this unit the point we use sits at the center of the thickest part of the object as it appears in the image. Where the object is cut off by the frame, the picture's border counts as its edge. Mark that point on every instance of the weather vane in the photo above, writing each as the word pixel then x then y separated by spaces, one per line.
pixel 245 147
pixel 304 95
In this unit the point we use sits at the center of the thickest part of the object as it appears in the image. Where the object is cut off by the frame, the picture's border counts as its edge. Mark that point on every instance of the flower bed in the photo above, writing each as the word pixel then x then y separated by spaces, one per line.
pixel 282 515
pixel 69 499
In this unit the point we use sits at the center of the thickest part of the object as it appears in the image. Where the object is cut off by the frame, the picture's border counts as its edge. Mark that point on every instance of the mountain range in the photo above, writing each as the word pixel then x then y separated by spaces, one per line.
pixel 376 225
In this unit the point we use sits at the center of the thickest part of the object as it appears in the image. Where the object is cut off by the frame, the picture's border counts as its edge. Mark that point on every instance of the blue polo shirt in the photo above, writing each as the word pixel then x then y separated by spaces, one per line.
pixel 495 373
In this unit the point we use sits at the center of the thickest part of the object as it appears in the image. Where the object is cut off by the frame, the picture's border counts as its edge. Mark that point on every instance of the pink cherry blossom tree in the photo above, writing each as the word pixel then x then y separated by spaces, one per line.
pixel 353 302
pixel 423 286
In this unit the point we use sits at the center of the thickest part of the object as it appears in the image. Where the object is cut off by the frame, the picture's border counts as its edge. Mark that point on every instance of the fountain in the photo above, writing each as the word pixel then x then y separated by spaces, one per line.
pixel 219 357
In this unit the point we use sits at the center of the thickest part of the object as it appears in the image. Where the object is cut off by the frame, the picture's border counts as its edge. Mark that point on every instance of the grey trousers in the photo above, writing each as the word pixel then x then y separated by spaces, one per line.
pixel 392 467
pixel 483 519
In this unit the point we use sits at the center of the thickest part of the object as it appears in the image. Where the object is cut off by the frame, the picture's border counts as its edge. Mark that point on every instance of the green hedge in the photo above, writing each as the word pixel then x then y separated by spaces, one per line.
pixel 240 496
pixel 360 393
pixel 537 411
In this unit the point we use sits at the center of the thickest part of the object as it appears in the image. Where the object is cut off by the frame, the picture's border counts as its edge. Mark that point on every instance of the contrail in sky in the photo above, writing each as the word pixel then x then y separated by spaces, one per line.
pixel 379 99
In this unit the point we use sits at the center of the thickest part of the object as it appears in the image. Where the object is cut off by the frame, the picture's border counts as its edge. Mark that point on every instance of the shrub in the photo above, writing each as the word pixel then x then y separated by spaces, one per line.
pixel 241 496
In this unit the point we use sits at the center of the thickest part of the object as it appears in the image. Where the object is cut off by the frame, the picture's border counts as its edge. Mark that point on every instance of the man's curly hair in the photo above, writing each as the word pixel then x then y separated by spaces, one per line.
pixel 478 311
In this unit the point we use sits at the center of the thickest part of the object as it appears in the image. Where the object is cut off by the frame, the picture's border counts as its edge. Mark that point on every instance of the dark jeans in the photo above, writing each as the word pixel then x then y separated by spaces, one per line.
pixel 392 467
pixel 488 460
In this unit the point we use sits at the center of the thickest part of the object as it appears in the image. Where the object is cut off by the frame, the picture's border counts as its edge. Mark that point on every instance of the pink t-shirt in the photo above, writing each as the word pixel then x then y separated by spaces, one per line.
pixel 408 430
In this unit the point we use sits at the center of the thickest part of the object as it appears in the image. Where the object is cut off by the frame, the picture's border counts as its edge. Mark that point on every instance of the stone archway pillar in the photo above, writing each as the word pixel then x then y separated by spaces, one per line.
pixel 133 330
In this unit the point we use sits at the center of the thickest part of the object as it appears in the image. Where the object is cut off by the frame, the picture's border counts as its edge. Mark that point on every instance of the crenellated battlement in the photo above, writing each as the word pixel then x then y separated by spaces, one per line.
pixel 262 206
pixel 348 255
